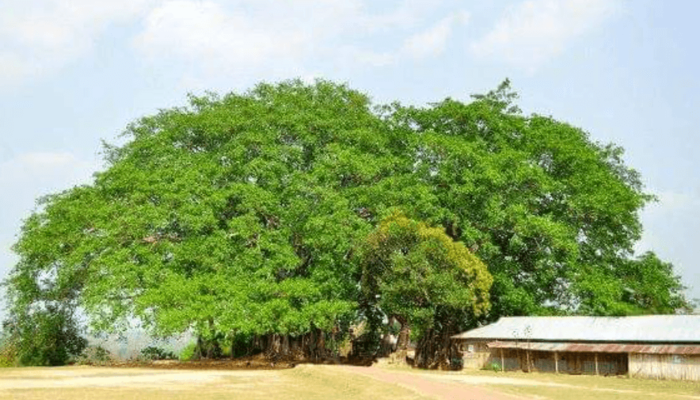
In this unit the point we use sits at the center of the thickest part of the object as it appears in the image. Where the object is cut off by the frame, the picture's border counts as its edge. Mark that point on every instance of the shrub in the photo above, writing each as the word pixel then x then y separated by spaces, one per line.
pixel 156 353
pixel 8 354
pixel 188 352
pixel 94 355
pixel 46 337
pixel 494 366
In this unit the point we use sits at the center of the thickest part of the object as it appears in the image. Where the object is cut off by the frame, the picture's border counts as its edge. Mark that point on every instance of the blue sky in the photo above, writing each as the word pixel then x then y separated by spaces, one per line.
pixel 75 72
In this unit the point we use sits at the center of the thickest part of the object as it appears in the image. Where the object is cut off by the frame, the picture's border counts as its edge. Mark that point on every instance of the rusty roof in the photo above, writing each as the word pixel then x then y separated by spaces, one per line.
pixel 597 347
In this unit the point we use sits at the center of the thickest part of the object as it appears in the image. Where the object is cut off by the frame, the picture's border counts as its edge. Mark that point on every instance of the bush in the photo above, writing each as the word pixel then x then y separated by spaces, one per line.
pixel 188 352
pixel 154 353
pixel 46 337
pixel 94 355
pixel 8 354
pixel 494 366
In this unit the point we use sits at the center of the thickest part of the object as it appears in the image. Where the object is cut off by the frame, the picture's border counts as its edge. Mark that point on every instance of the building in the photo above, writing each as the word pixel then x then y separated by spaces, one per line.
pixel 656 346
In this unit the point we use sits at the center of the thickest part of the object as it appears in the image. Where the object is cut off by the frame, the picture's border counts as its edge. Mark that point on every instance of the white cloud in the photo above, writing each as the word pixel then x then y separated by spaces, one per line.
pixel 359 57
pixel 205 32
pixel 280 39
pixel 234 38
pixel 535 31
pixel 432 42
pixel 408 14
pixel 41 37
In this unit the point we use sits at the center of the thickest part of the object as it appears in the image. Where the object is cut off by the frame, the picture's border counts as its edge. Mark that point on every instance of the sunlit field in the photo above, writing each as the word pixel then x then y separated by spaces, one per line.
pixel 323 382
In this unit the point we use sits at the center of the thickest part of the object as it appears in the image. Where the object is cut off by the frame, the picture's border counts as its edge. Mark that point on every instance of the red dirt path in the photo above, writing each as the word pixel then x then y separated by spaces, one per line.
pixel 426 386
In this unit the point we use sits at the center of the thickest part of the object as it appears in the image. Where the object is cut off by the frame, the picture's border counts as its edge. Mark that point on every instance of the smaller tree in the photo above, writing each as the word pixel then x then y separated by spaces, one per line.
pixel 423 279
pixel 8 350
pixel 46 337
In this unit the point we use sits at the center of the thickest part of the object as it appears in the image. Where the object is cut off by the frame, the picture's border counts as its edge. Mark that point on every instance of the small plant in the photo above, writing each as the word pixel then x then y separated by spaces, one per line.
pixel 94 355
pixel 495 367
pixel 8 355
pixel 188 352
pixel 154 353
pixel 102 355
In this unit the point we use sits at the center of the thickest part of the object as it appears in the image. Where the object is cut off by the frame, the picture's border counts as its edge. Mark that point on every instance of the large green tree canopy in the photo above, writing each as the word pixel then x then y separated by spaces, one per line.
pixel 241 213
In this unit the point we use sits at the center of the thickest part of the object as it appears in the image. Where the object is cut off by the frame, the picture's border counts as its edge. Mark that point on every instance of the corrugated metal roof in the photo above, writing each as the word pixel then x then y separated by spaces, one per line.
pixel 638 329
pixel 598 347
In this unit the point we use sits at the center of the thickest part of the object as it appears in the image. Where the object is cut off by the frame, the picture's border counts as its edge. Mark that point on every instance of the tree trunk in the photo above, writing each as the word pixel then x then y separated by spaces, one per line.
pixel 404 334
pixel 310 346
pixel 199 349
pixel 272 346
pixel 435 350
pixel 208 348
pixel 321 344
pixel 233 346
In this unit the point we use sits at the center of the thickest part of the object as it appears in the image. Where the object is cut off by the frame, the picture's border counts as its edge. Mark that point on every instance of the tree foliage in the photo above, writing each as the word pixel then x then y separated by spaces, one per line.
pixel 240 214
pixel 410 270
pixel 551 213
pixel 46 337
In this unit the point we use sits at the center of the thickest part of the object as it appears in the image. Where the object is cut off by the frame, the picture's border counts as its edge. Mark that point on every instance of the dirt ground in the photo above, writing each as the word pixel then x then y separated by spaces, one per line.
pixel 320 382
pixel 563 386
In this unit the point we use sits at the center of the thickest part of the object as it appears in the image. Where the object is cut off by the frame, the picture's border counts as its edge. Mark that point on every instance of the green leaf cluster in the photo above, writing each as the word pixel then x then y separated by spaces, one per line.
pixel 411 271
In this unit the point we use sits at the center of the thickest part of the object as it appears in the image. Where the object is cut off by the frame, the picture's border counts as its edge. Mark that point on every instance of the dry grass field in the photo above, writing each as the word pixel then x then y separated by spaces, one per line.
pixel 121 383
pixel 322 382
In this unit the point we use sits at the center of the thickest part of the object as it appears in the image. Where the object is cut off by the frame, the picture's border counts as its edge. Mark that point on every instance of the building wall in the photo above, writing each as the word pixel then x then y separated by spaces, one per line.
pixel 585 363
pixel 477 355
pixel 665 366
pixel 511 360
